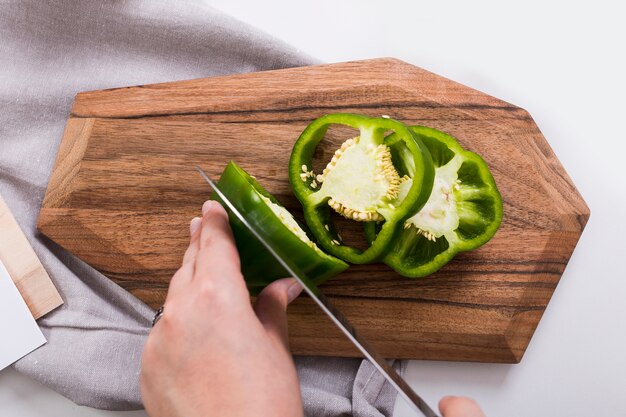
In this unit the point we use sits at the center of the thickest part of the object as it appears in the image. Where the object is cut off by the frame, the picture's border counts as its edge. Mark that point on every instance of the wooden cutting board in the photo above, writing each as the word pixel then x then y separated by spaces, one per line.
pixel 124 189
pixel 24 267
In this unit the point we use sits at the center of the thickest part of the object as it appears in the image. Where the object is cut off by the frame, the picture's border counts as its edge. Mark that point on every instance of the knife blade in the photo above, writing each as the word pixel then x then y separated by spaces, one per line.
pixel 390 374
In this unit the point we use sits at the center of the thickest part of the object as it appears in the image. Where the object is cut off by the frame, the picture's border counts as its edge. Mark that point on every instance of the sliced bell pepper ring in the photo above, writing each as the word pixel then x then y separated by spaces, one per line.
pixel 258 266
pixel 360 182
pixel 463 212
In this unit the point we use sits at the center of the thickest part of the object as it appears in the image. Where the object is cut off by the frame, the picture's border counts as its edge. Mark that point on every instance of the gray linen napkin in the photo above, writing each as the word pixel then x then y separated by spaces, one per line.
pixel 51 50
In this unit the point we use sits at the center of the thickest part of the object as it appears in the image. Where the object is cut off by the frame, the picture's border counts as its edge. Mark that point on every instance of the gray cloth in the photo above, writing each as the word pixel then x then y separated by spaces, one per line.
pixel 49 51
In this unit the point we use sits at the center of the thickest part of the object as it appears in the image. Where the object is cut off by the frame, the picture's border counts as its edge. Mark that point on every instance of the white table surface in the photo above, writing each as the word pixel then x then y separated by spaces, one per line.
pixel 564 63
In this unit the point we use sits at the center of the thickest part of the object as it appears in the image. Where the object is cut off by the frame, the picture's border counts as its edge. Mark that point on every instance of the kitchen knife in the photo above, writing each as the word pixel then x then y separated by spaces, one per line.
pixel 333 313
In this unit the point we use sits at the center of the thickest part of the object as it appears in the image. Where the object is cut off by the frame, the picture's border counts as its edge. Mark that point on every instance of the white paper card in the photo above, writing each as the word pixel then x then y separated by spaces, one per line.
pixel 19 333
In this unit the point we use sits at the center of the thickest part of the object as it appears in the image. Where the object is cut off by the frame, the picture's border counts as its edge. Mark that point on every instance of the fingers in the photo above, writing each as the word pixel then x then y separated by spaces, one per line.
pixel 194 226
pixel 451 406
pixel 186 272
pixel 271 307
pixel 194 229
pixel 192 250
pixel 217 258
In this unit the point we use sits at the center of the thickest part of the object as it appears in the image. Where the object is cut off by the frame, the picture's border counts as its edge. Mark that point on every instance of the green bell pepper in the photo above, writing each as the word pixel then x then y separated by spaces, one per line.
pixel 360 182
pixel 463 211
pixel 259 207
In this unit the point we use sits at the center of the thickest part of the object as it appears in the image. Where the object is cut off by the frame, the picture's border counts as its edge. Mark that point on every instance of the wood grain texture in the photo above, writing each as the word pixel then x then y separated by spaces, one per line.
pixel 124 189
pixel 27 272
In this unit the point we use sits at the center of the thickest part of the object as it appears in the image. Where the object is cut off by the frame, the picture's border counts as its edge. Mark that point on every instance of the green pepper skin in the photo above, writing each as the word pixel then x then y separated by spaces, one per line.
pixel 317 216
pixel 415 256
pixel 258 266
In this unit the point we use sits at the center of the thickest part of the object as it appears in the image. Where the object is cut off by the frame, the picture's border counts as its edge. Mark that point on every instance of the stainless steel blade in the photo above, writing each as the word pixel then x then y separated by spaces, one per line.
pixel 335 315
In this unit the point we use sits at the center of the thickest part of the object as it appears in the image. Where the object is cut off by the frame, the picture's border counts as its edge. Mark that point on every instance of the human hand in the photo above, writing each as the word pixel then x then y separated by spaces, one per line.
pixel 212 352
pixel 459 407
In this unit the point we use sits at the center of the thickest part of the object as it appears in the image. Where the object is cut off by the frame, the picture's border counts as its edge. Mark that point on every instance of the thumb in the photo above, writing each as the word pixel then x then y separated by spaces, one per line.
pixel 271 307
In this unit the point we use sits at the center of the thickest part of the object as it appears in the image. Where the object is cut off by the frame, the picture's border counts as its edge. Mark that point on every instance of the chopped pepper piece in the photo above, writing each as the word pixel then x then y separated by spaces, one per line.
pixel 258 266
pixel 462 213
pixel 360 182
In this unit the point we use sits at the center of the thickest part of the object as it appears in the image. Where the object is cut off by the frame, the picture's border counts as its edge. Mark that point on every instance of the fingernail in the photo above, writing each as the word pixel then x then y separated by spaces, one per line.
pixel 194 225
pixel 206 206
pixel 293 291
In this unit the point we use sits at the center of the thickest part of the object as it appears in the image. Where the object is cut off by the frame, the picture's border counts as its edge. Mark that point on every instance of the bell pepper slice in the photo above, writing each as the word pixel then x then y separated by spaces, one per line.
pixel 259 207
pixel 360 182
pixel 463 212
